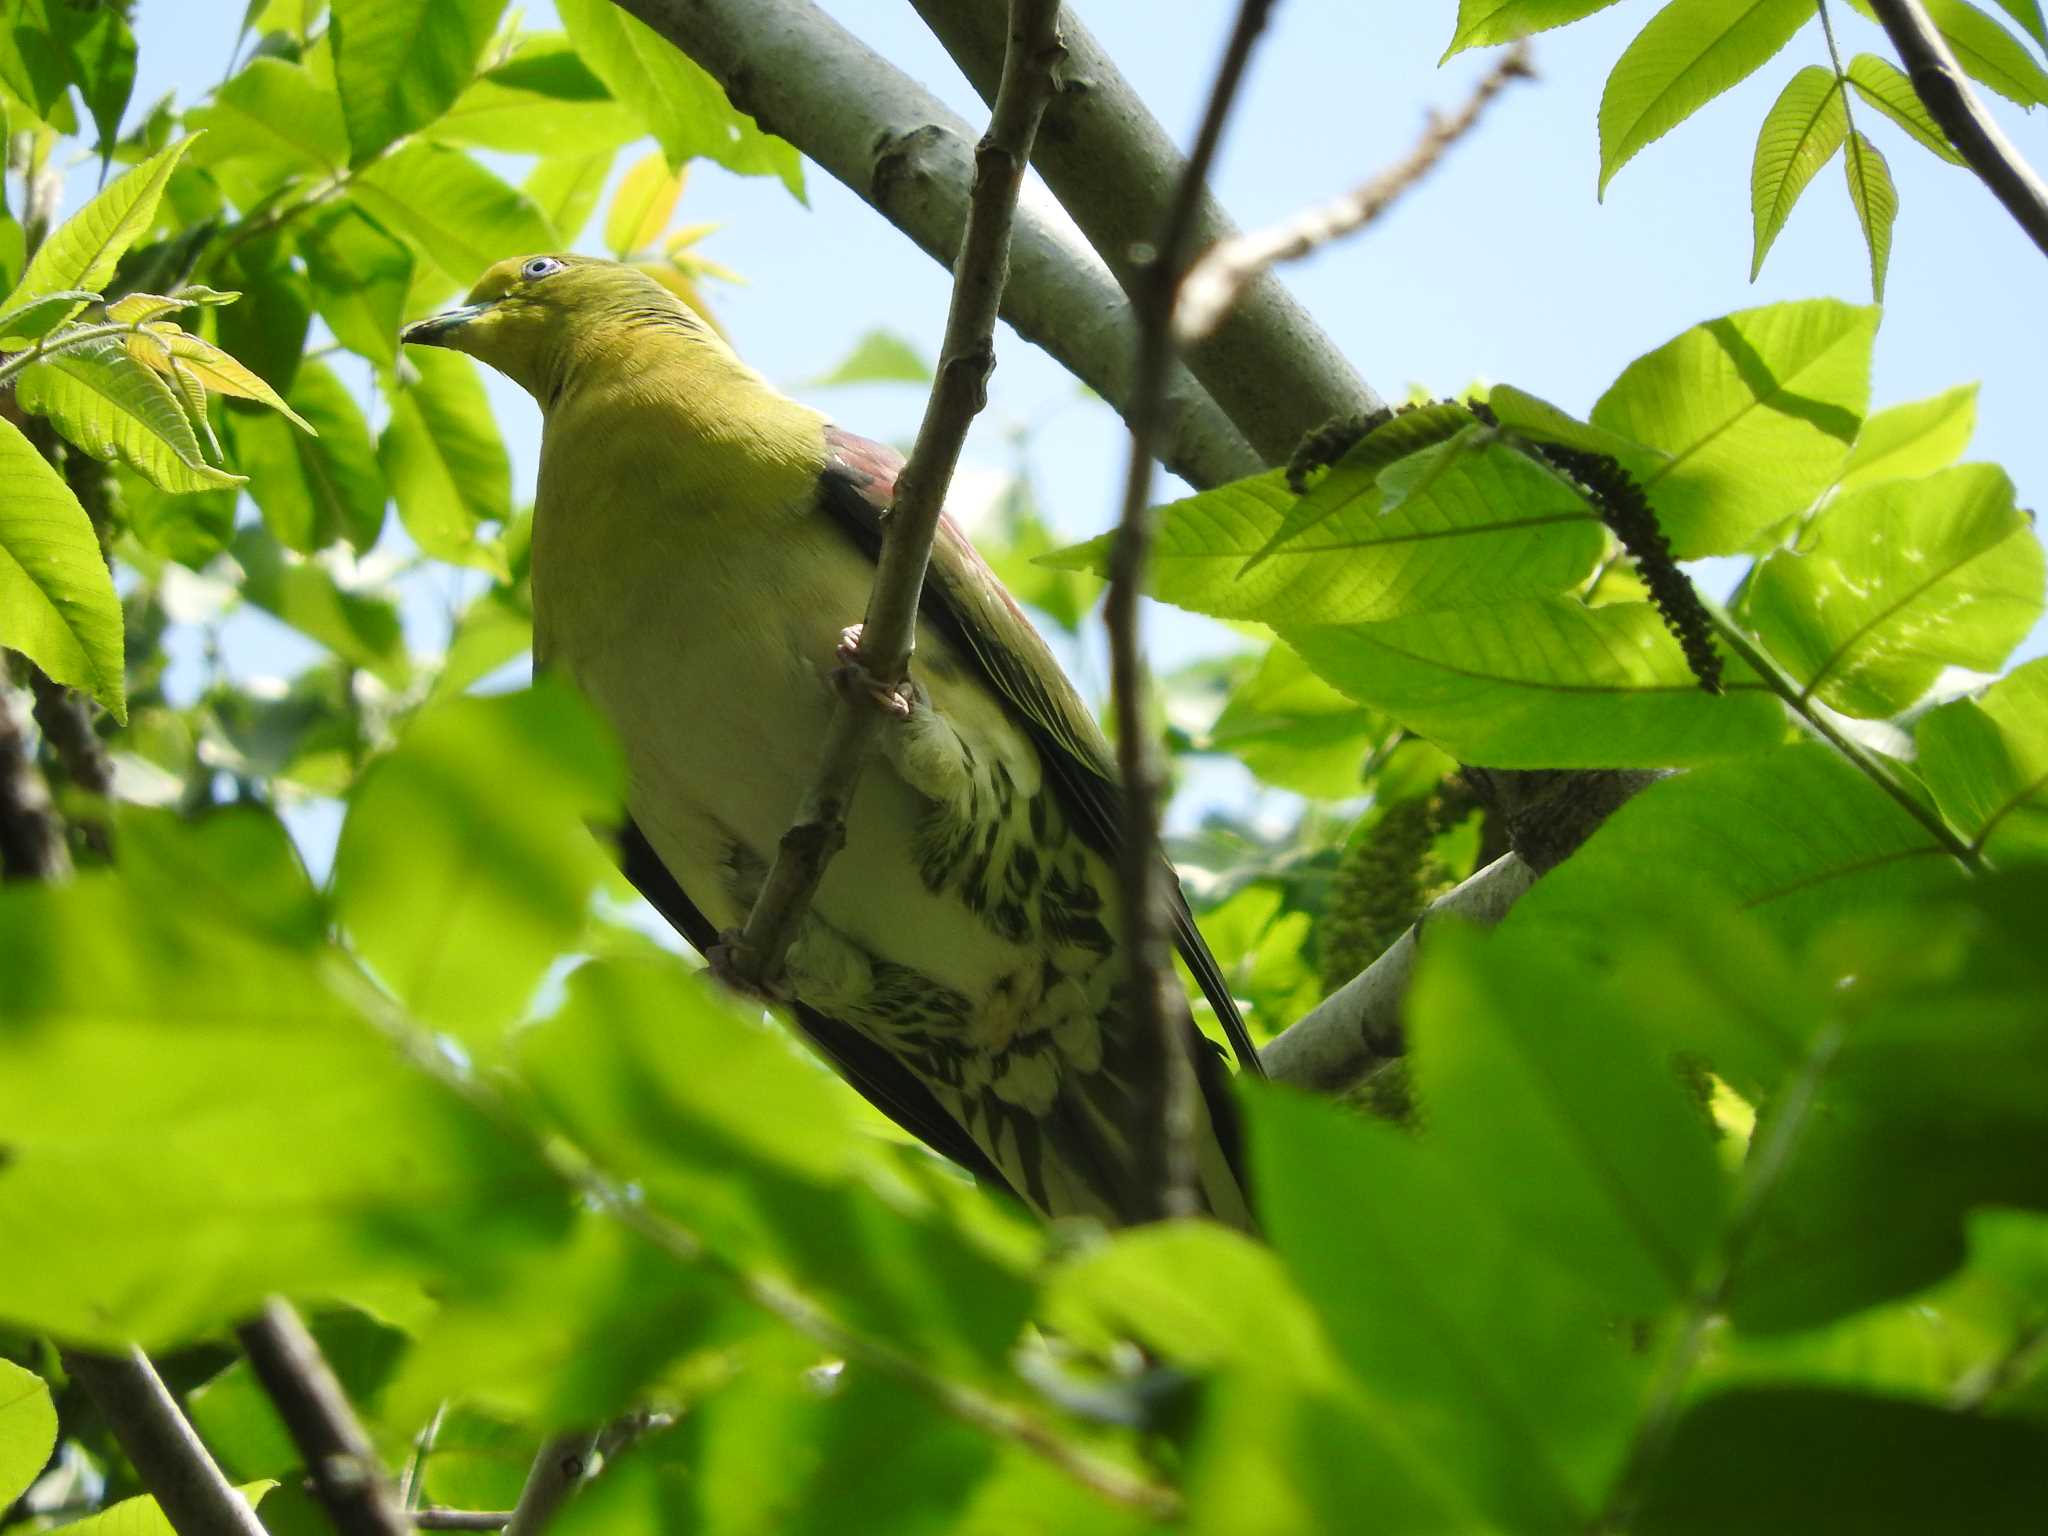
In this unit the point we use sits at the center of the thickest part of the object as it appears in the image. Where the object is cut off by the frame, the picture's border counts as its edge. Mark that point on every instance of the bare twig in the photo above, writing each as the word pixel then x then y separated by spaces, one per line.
pixel 461 1519
pixel 1940 85
pixel 1219 281
pixel 343 1463
pixel 895 145
pixel 558 1471
pixel 164 1447
pixel 958 394
pixel 1168 1145
pixel 1114 168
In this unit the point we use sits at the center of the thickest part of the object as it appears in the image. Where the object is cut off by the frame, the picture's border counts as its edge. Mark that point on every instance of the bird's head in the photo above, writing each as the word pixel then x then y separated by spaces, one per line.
pixel 537 318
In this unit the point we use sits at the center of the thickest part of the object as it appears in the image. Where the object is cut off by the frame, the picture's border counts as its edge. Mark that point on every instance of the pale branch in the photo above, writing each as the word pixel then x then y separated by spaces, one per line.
pixel 803 76
pixel 1143 874
pixel 559 1469
pixel 166 1451
pixel 1938 82
pixel 1239 266
pixel 1112 166
pixel 966 356
pixel 347 1475
pixel 460 1519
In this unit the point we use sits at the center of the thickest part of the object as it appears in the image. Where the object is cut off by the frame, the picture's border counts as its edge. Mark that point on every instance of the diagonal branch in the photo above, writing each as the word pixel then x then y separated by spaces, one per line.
pixel 1939 83
pixel 966 356
pixel 1142 870
pixel 1114 168
pixel 558 1471
pixel 896 146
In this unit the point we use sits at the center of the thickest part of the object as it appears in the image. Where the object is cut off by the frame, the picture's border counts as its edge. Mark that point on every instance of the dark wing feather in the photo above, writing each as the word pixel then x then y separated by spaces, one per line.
pixel 967 601
pixel 880 1078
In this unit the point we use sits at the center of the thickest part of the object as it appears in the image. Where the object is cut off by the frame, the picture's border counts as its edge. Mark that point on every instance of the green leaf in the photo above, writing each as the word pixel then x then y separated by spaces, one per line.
pixel 674 99
pixel 359 273
pixel 314 490
pixel 1801 133
pixel 2028 14
pixel 1896 580
pixel 103 67
pixel 464 868
pixel 82 252
pixel 1986 761
pixel 461 215
pixel 1019 538
pixel 1549 683
pixel 1295 731
pixel 359 629
pixel 1881 83
pixel 566 190
pixel 271 121
pixel 399 63
pixel 478 1461
pixel 267 327
pixel 1830 1460
pixel 247 1129
pixel 1876 203
pixel 1482 23
pixel 141 1516
pixel 1691 51
pixel 190 528
pixel 1616 1182
pixel 495 629
pixel 642 205
pixel 1987 52
pixel 1756 410
pixel 112 406
pixel 1914 439
pixel 28 1429
pixel 879 357
pixel 543 100
pixel 446 462
pixel 57 602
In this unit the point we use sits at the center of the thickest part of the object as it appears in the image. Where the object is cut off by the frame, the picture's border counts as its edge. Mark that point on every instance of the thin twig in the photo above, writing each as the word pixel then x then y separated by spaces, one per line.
pixel 347 1474
pixel 897 147
pixel 1218 281
pixel 558 1471
pixel 1939 83
pixel 961 389
pixel 1156 1000
pixel 461 1519
pixel 1275 372
pixel 165 1449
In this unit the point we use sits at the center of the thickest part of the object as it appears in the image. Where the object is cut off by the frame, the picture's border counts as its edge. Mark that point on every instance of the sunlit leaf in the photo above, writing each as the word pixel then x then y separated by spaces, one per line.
pixel 1986 760
pixel 446 463
pixel 399 63
pixel 358 628
pixel 82 252
pixel 566 189
pixel 460 214
pixel 878 357
pixel 141 1516
pixel 57 603
pixel 1801 133
pixel 1482 23
pixel 1913 439
pixel 1987 52
pixel 314 490
pixel 359 272
pixel 1881 83
pixel 542 100
pixel 272 120
pixel 112 406
pixel 1876 203
pixel 28 1429
pixel 642 206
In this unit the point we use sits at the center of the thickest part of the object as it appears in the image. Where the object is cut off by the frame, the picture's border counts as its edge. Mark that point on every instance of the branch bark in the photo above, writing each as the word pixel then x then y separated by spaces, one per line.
pixel 558 1471
pixel 347 1474
pixel 894 144
pixel 32 845
pixel 966 357
pixel 1112 166
pixel 165 1449
pixel 1939 83
pixel 1168 1145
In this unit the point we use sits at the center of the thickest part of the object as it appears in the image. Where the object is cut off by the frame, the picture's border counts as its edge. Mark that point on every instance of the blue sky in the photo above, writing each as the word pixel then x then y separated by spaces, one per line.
pixel 1502 267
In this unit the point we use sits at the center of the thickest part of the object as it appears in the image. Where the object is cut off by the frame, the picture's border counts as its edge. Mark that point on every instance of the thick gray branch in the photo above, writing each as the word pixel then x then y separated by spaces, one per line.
pixel 165 1449
pixel 808 79
pixel 1940 85
pixel 1114 168
pixel 558 1471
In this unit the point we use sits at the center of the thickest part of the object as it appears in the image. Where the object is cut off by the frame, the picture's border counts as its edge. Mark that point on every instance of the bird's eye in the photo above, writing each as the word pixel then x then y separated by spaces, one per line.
pixel 539 267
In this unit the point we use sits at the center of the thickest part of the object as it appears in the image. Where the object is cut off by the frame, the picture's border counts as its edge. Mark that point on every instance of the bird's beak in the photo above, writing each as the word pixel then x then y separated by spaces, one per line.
pixel 435 330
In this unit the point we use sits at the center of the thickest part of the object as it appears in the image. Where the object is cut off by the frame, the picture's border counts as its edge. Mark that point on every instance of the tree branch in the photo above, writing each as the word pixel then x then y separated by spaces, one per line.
pixel 1940 85
pixel 894 144
pixel 1114 169
pixel 558 1471
pixel 1142 870
pixel 966 357
pixel 32 845
pixel 164 1447
pixel 346 1471
pixel 1238 267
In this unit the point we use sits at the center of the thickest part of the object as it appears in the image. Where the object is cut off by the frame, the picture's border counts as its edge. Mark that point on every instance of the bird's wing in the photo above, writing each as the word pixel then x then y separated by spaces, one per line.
pixel 967 601
pixel 881 1079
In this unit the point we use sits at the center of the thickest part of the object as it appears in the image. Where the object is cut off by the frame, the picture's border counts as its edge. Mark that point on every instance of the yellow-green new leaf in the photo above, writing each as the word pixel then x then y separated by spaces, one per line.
pixel 1482 23
pixel 543 99
pixel 143 1516
pixel 1986 759
pixel 1916 438
pixel 81 253
pixel 57 602
pixel 566 190
pixel 165 347
pixel 1884 85
pixel 1876 202
pixel 110 405
pixel 1804 127
pixel 22 323
pixel 1691 52
pixel 461 215
pixel 28 1429
pixel 643 205
pixel 399 63
pixel 1988 53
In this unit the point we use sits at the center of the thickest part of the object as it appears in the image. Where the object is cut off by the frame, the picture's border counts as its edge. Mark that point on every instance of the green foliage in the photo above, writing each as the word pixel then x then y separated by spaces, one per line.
pixel 28 1429
pixel 398 66
pixel 57 606
pixel 1801 133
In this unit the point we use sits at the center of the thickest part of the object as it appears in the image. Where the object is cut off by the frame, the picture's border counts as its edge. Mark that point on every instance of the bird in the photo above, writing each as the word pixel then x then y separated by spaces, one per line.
pixel 700 542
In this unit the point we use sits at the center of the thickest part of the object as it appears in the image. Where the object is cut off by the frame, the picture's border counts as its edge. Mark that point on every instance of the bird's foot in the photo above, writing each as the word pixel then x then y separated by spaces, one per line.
pixel 896 701
pixel 735 976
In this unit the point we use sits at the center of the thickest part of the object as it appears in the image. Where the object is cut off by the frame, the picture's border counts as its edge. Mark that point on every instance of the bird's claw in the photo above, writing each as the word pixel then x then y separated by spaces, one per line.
pixel 726 967
pixel 895 701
